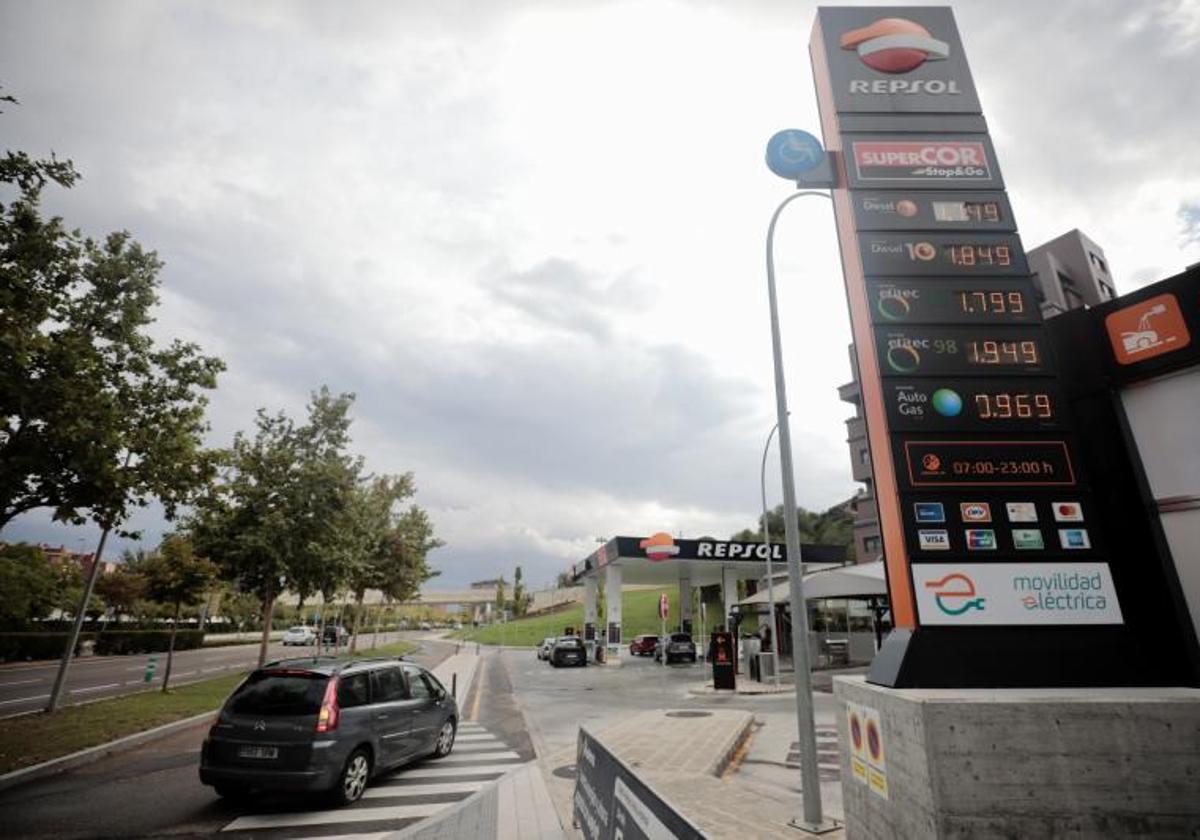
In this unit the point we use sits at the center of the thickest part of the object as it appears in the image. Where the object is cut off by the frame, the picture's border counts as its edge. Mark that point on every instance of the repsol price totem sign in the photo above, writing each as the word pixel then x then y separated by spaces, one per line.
pixel 997 568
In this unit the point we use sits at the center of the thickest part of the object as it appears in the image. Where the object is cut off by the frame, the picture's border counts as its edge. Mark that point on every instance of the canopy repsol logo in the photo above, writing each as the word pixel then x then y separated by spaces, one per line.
pixel 733 551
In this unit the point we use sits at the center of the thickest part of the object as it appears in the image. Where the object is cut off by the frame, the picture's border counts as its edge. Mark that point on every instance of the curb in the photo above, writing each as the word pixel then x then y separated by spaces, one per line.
pixel 87 756
pixel 731 749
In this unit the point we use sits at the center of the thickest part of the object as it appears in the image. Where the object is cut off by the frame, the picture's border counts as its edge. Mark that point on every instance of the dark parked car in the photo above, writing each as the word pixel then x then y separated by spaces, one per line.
pixel 568 650
pixel 326 726
pixel 335 634
pixel 643 645
pixel 679 646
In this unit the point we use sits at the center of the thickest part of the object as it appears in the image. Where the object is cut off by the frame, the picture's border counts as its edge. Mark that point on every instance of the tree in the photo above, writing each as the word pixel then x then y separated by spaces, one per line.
pixel 276 516
pixel 832 527
pixel 501 600
pixel 369 523
pixel 520 599
pixel 29 585
pixel 175 575
pixel 95 417
pixel 122 588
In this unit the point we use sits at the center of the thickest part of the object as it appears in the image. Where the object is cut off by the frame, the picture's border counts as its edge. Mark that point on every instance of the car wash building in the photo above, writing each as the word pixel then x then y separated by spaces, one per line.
pixel 663 560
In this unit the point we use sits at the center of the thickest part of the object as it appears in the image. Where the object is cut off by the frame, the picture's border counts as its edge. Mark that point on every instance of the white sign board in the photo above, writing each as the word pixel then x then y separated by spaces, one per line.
pixel 1015 593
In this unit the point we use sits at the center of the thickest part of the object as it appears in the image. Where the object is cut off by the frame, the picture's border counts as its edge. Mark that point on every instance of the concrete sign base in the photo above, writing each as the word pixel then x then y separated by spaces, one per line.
pixel 934 763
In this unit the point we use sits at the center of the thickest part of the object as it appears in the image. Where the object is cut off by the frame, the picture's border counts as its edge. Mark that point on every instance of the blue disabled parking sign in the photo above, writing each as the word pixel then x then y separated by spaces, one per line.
pixel 792 152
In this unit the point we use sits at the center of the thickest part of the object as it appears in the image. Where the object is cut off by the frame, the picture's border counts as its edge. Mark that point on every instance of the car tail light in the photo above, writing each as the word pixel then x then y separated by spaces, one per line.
pixel 327 718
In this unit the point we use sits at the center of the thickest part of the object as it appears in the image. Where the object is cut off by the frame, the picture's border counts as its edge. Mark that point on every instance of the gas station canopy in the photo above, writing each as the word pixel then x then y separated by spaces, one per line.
pixel 662 559
pixel 862 581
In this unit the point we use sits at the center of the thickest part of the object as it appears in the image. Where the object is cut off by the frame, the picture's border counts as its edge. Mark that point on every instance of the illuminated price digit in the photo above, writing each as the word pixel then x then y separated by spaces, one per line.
pixel 1024 409
pixel 1016 302
pixel 1042 405
pixel 1029 353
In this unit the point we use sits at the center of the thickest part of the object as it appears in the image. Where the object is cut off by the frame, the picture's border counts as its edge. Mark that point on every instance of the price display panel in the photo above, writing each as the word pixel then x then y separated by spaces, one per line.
pixel 942 254
pixel 961 351
pixel 973 405
pixel 921 210
pixel 984 463
pixel 925 301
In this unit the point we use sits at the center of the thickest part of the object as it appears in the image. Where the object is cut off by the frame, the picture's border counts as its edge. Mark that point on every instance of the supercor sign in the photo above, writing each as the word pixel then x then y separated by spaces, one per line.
pixel 922 162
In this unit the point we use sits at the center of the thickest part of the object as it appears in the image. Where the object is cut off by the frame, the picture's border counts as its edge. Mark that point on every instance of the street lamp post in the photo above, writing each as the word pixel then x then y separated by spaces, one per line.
pixel 762 480
pixel 812 820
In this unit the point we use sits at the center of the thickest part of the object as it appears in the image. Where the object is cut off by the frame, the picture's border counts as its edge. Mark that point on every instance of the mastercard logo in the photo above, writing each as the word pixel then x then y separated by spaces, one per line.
pixel 661 546
pixel 895 45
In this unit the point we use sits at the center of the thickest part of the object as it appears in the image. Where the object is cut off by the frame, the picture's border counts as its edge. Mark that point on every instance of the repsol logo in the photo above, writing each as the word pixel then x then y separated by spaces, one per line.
pixel 933 87
pixel 734 551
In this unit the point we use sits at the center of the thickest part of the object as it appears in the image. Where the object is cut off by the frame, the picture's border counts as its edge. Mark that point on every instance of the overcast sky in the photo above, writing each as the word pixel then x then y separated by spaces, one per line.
pixel 529 236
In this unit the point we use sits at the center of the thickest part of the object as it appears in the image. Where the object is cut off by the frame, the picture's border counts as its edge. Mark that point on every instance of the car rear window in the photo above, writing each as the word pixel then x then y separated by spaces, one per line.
pixel 575 643
pixel 278 693
pixel 681 637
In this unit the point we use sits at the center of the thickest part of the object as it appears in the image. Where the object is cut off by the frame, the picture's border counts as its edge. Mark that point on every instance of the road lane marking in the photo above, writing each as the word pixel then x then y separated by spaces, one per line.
pixel 396 812
pixel 439 772
pixel 398 788
pixel 95 688
pixel 20 682
pixel 485 758
pixel 25 699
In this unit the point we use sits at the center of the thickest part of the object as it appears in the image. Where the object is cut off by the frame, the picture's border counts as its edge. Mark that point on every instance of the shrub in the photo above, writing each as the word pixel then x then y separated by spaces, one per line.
pixel 25 646
pixel 146 641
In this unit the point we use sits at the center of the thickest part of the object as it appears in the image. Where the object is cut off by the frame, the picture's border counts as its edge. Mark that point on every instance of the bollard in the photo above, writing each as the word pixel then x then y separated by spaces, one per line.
pixel 150 666
pixel 458 648
pixel 477 648
pixel 454 685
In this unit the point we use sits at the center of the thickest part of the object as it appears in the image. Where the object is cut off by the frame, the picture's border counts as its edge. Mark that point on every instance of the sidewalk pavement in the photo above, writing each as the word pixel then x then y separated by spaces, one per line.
pixel 693 763
pixel 517 806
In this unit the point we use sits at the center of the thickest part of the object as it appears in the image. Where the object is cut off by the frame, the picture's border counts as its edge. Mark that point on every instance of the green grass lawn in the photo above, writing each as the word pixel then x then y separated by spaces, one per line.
pixel 31 739
pixel 639 614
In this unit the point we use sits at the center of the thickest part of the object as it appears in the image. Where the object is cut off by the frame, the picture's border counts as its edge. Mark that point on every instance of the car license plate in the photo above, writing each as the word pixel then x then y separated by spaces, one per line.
pixel 258 752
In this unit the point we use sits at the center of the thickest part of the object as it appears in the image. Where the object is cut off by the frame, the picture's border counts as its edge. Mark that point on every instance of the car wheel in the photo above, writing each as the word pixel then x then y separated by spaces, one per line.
pixel 445 739
pixel 352 781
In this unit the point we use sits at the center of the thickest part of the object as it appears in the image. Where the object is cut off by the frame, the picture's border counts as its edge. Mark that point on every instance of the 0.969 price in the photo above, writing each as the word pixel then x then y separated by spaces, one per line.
pixel 1014 406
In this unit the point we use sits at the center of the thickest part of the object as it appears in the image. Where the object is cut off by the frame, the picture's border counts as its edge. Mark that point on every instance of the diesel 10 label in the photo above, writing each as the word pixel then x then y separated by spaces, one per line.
pixel 942 254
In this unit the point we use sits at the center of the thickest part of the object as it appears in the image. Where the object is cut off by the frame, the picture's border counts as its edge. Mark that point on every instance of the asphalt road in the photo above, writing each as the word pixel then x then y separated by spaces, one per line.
pixel 154 791
pixel 26 687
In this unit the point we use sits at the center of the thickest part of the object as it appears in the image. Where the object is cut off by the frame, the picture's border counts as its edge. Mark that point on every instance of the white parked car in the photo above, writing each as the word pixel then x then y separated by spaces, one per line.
pixel 547 645
pixel 299 635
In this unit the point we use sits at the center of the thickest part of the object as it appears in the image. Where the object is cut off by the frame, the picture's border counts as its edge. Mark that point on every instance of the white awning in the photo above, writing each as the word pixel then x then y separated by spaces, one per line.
pixel 864 580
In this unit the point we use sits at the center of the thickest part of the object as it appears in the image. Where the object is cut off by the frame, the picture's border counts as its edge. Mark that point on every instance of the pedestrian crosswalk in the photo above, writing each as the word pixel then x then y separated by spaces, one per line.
pixel 395 800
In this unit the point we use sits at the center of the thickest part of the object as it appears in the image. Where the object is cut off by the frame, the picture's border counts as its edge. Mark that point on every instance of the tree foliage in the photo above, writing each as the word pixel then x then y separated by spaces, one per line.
pixel 175 575
pixel 30 587
pixel 292 510
pixel 95 417
pixel 832 527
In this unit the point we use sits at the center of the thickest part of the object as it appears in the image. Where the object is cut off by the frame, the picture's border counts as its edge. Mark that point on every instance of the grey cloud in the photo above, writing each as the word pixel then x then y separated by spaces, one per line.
pixel 562 295
pixel 1189 222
